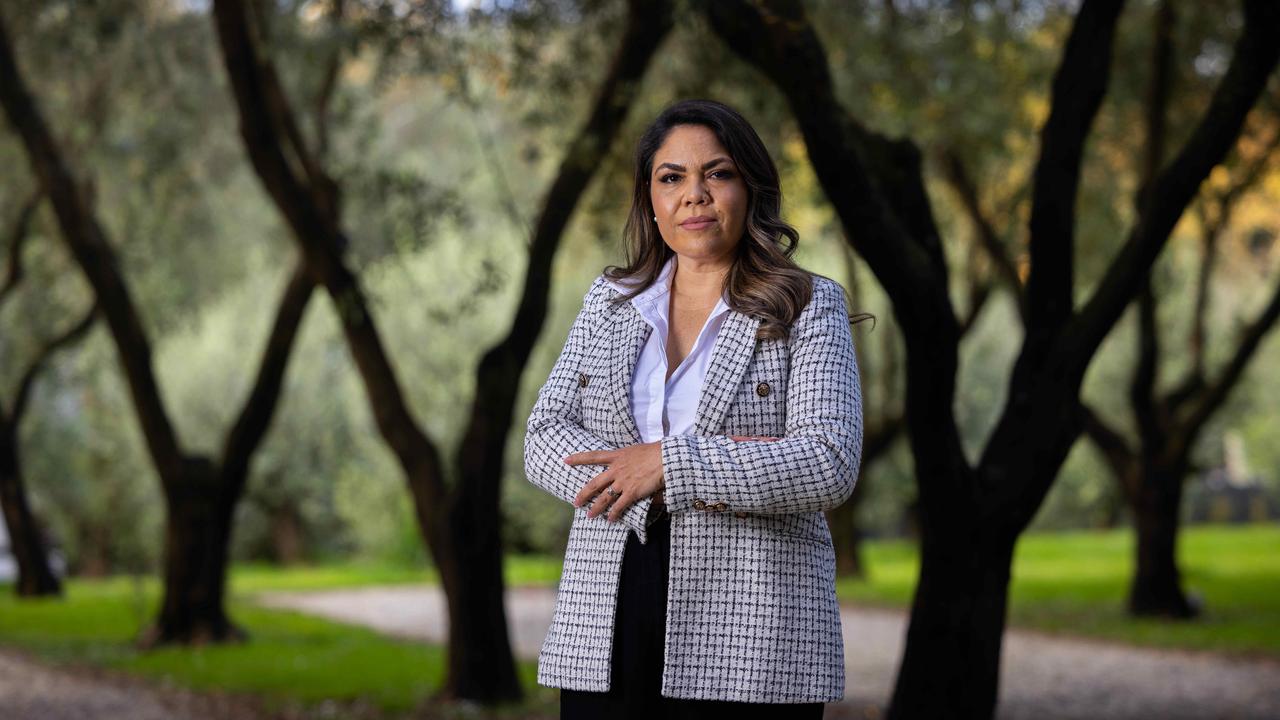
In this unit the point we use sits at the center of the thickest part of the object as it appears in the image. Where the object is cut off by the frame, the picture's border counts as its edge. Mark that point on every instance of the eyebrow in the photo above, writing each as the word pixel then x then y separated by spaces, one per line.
pixel 705 166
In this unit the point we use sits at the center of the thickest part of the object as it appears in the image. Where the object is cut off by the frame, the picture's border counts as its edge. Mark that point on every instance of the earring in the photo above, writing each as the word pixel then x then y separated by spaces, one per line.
pixel 655 218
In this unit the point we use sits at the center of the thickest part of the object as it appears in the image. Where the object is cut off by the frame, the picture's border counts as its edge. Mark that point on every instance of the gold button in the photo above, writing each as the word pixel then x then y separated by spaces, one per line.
pixel 739 514
pixel 762 389
pixel 720 507
pixel 582 379
pixel 699 505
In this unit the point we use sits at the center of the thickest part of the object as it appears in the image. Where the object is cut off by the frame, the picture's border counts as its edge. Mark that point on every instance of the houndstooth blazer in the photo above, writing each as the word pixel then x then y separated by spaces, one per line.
pixel 752 614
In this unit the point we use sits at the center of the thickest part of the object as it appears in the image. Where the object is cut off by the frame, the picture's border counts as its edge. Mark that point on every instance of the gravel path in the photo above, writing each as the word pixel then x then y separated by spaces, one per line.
pixel 1042 677
pixel 32 690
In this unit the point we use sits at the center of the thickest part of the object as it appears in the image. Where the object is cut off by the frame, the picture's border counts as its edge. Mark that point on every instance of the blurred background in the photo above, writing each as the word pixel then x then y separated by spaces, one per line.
pixel 282 279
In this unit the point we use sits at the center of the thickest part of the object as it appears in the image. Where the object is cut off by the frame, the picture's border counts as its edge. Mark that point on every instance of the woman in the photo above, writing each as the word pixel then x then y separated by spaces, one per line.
pixel 705 410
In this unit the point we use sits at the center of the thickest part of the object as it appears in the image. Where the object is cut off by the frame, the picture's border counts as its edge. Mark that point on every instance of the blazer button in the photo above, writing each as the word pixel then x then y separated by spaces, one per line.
pixel 582 379
pixel 739 514
pixel 699 505
pixel 762 389
pixel 720 507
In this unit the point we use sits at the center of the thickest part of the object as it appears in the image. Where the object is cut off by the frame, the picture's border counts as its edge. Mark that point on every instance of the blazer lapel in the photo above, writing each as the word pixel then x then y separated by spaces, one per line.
pixel 732 352
pixel 735 345
pixel 628 333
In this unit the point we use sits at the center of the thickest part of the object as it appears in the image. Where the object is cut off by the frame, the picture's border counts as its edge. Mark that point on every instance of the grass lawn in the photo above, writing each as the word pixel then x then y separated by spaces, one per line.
pixel 251 578
pixel 293 660
pixel 1076 583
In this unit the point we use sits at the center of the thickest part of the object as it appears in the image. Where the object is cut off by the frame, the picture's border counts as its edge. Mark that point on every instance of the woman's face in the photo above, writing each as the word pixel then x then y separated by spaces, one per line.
pixel 694 177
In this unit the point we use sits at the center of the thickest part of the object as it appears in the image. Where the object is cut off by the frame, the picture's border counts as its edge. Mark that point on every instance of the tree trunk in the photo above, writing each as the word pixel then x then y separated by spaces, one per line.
pixel 480 656
pixel 951 666
pixel 480 659
pixel 197 537
pixel 1156 589
pixel 847 537
pixel 286 533
pixel 35 577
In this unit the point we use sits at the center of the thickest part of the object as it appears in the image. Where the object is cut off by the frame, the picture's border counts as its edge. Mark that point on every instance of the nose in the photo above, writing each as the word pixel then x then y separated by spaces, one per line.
pixel 696 192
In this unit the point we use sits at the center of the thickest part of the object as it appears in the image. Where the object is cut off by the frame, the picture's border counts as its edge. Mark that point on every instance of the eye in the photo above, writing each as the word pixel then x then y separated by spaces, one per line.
pixel 725 174
pixel 663 179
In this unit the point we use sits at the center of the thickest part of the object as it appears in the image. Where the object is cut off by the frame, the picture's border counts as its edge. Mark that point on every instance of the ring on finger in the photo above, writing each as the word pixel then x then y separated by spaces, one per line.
pixel 612 492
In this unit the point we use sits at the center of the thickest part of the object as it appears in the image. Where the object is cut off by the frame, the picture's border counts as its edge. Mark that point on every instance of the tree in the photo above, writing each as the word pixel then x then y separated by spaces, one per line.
pixel 200 492
pixel 1152 470
pixel 1150 476
pixel 458 523
pixel 35 576
pixel 972 515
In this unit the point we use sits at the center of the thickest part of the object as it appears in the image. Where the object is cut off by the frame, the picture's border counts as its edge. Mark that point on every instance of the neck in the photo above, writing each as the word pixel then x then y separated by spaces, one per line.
pixel 698 280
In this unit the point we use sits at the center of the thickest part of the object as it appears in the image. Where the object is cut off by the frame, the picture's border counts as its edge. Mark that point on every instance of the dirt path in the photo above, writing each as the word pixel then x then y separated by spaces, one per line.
pixel 1042 677
pixel 33 690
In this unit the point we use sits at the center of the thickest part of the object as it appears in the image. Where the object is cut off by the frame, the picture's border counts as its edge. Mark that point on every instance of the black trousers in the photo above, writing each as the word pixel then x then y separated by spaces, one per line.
pixel 638 640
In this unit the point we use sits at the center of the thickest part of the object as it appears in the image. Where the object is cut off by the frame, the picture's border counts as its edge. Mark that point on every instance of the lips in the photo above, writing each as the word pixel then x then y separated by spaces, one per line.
pixel 698 222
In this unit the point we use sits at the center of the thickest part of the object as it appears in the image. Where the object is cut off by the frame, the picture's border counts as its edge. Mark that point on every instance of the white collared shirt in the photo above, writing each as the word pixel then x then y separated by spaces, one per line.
pixel 663 409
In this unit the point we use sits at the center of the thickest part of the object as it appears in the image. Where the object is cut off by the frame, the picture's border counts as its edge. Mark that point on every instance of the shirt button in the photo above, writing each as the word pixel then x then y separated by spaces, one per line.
pixel 582 379
pixel 739 514
pixel 762 389
pixel 719 507
pixel 699 505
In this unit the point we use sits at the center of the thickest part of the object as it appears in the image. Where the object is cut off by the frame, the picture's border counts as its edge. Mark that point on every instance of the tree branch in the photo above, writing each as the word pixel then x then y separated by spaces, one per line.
pixel 1211 229
pixel 1142 390
pixel 958 177
pixel 88 243
pixel 42 356
pixel 647 25
pixel 255 416
pixel 1216 392
pixel 1079 85
pixel 1252 62
pixel 900 247
pixel 305 196
pixel 329 82
pixel 17 238
pixel 1115 450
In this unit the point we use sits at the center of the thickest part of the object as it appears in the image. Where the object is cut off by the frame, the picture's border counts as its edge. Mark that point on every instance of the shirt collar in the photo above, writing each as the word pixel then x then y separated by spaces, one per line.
pixel 649 298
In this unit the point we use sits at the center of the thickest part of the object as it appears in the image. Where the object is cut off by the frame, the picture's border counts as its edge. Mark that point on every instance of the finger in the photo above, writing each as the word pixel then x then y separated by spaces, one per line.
pixel 620 506
pixel 593 486
pixel 601 504
pixel 589 457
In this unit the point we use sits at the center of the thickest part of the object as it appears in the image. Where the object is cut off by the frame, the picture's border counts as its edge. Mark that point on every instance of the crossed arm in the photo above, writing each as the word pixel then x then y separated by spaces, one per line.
pixel 814 467
pixel 555 429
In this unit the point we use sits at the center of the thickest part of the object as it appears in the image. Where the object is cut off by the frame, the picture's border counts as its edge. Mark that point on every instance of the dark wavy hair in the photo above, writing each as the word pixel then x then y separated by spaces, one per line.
pixel 763 281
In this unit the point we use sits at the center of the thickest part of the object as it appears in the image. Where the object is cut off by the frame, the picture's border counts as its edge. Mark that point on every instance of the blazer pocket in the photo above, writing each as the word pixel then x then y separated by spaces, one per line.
pixel 796 526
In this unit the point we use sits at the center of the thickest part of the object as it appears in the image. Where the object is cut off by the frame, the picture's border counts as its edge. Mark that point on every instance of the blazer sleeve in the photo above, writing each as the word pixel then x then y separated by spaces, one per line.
pixel 815 465
pixel 554 429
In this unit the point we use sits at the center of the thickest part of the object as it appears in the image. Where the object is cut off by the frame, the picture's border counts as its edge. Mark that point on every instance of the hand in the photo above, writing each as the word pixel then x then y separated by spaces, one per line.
pixel 635 472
